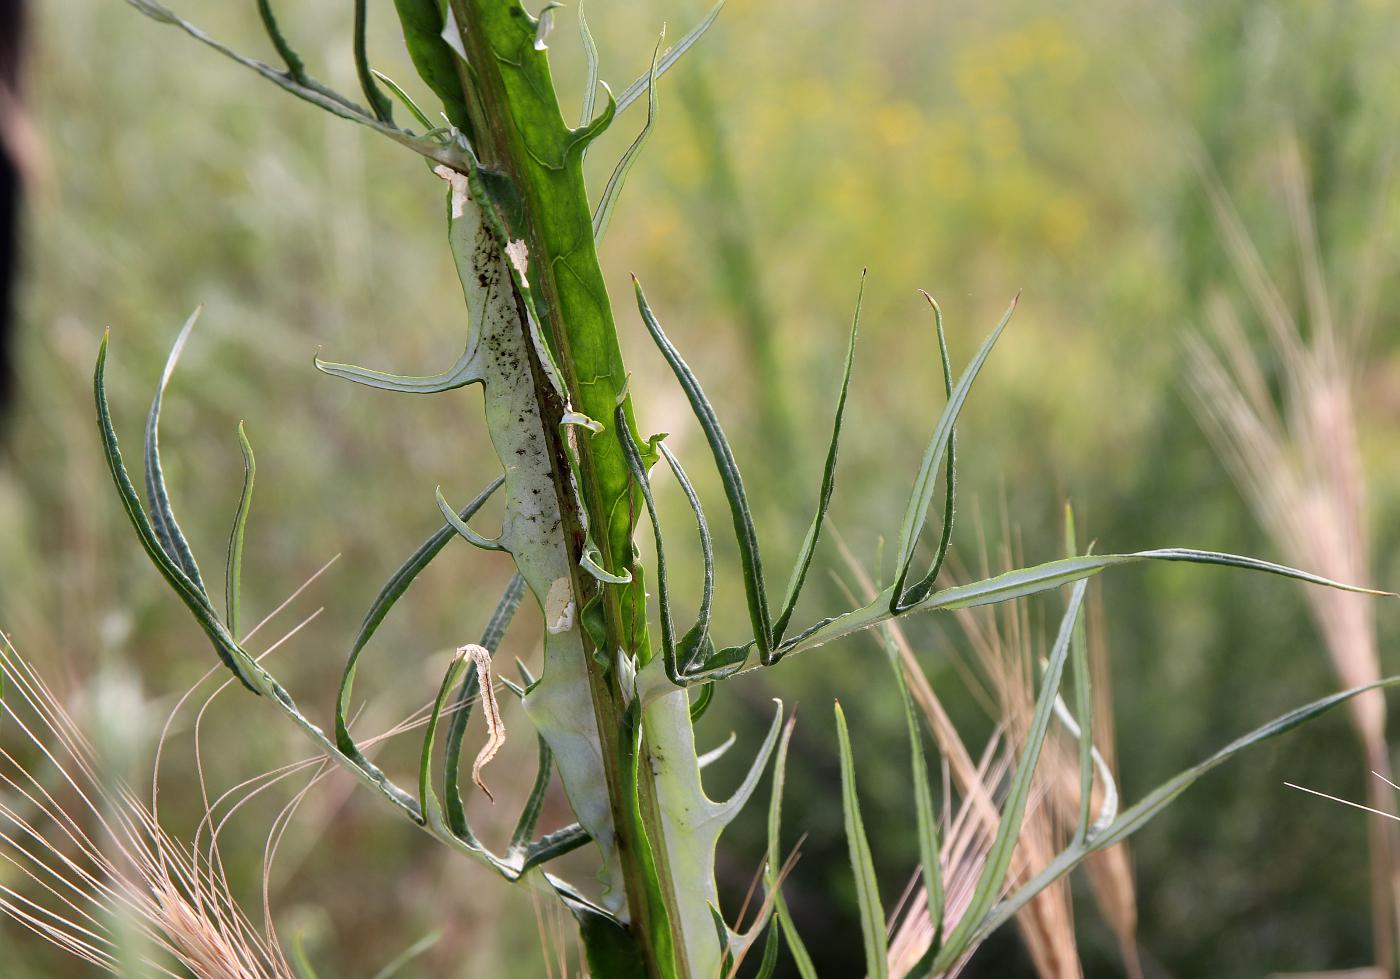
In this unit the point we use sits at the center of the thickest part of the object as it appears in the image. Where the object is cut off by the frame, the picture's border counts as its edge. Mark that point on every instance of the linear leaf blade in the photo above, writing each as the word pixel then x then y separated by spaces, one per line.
pixel 922 495
pixel 872 913
pixel 233 572
pixel 809 544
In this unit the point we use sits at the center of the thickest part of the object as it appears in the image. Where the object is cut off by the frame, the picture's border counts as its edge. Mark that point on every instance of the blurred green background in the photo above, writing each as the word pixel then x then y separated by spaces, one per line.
pixel 973 150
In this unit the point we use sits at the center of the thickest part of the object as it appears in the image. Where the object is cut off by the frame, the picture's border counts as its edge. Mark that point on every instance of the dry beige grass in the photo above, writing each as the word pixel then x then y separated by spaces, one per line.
pixel 1297 461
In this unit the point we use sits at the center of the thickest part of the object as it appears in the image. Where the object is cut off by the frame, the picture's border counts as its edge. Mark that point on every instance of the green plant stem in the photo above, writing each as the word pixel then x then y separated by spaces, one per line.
pixel 521 134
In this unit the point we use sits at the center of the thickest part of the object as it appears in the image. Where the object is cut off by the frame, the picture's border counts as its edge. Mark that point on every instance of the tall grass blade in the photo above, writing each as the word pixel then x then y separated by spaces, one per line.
pixel 771 876
pixel 872 913
pixel 1137 815
pixel 998 862
pixel 1083 697
pixel 925 814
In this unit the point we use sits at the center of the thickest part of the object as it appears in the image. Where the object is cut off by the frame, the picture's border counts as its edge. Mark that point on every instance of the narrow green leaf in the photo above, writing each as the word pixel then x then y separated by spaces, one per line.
pixel 922 495
pixel 422 22
pixel 800 956
pixel 191 594
pixel 925 814
pixel 744 531
pixel 408 955
pixel 389 594
pixel 157 495
pixel 427 798
pixel 555 844
pixel 1137 816
pixel 1053 574
pixel 295 66
pixel 233 572
pixel 809 544
pixel 491 638
pixel 406 99
pixel 309 90
pixel 1083 697
pixel 530 814
pixel 771 945
pixel 917 592
pixel 383 110
pixel 700 701
pixel 634 91
pixel 633 455
pixel 872 912
pixel 590 53
pixel 695 646
pixel 602 215
pixel 993 877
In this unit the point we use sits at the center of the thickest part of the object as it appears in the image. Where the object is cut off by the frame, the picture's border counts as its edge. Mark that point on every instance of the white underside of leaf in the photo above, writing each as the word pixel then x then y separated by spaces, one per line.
pixel 558 705
pixel 693 822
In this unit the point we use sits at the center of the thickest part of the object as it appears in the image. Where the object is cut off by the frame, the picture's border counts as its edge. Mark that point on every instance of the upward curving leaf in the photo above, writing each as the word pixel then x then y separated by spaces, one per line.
pixel 924 484
pixel 192 594
pixel 746 535
pixel 809 544
pixel 634 91
pixel 917 592
pixel 603 214
pixel 390 593
pixel 233 572
pixel 1137 815
pixel 157 495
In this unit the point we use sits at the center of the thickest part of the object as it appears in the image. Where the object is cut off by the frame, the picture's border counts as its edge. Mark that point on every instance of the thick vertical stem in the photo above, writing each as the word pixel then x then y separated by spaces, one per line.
pixel 520 133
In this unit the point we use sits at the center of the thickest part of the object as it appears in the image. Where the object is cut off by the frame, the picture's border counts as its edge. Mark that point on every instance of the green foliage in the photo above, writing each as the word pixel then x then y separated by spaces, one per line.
pixel 610 711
